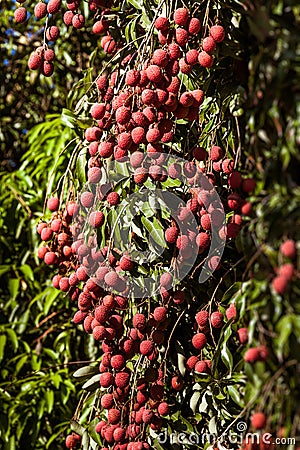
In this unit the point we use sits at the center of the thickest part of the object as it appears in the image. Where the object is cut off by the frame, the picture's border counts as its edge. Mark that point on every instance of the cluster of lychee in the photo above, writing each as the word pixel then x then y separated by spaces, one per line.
pixel 42 58
pixel 205 324
pixel 286 271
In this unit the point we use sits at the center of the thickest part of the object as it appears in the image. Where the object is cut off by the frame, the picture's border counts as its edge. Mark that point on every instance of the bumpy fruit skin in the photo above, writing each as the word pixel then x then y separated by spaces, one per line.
pixel 209 44
pixel 205 59
pixel 40 10
pixel 202 318
pixel 52 33
pixel 20 14
pixel 217 32
pixel 258 420
pixel 216 319
pixel 146 347
pixel 194 26
pixel 288 249
pixel 53 6
pixel 199 341
pixel 73 441
pixel 166 280
pixel 216 153
pixel 96 219
pixel 160 313
pixel 162 24
pixel 181 16
pixel 113 198
pixel 126 263
pixel 35 61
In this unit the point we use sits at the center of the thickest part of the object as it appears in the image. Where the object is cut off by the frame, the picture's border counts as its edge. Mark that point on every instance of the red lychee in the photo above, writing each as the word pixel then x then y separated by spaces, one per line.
pixel 166 280
pixel 53 204
pixel 194 26
pixel 258 420
pixel 216 319
pixel 252 355
pixel 209 44
pixel 162 24
pixel 106 379
pixel 280 284
pixel 113 198
pixel 181 36
pixel 205 59
pixel 181 16
pixel 20 14
pixel 160 313
pixel 40 10
pixel 126 263
pixel 171 235
pixel 154 73
pixel 243 335
pixel 288 249
pixel 53 6
pixel 202 318
pixel 146 347
pixel 217 32
pixel 199 341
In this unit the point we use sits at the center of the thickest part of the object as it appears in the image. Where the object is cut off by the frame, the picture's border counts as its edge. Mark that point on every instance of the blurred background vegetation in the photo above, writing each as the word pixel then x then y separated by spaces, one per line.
pixel 38 342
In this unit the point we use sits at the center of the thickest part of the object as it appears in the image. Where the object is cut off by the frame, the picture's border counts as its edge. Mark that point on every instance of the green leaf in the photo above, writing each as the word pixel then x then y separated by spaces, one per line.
pixel 155 230
pixel 3 339
pixel 85 371
pixel 27 271
pixel 93 383
pixel 77 428
pixel 68 118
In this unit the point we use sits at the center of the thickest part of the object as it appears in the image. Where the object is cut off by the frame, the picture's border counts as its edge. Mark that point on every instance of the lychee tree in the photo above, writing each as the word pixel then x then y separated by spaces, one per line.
pixel 151 230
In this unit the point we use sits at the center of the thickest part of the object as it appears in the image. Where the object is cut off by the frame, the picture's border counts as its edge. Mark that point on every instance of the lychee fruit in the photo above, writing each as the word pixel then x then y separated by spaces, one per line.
pixel 252 355
pixel 154 73
pixel 202 318
pixel 146 347
pixel 113 198
pixel 53 6
pixel 126 263
pixel 194 26
pixel 106 379
pixel 199 341
pixel 216 319
pixel 205 59
pixel 258 420
pixel 53 204
pixel 217 32
pixel 20 14
pixel 162 24
pixel 181 16
pixel 181 36
pixel 160 313
pixel 166 280
pixel 280 284
pixel 40 10
pixel 288 249
pixel 209 44
pixel 243 335
pixel 231 312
